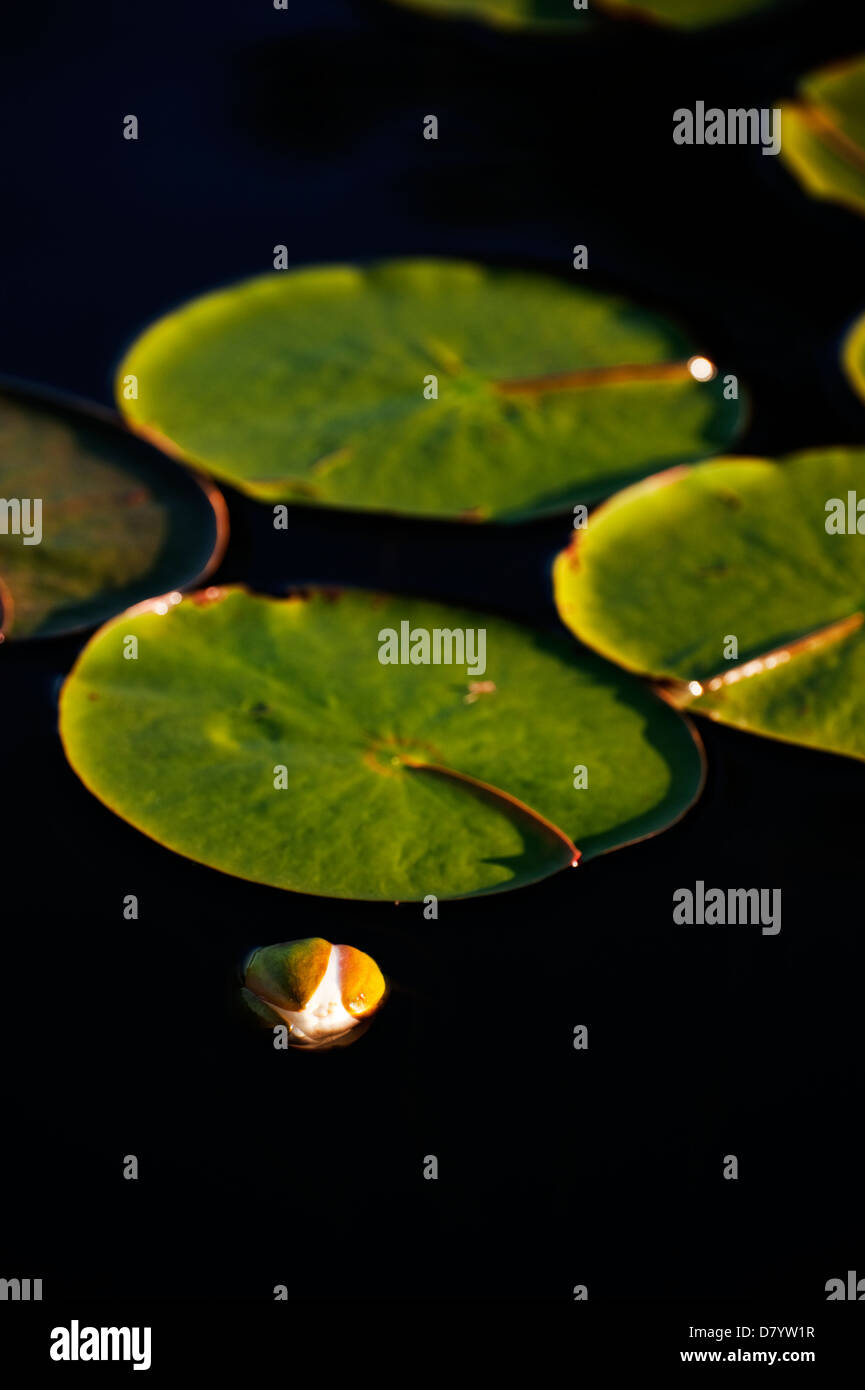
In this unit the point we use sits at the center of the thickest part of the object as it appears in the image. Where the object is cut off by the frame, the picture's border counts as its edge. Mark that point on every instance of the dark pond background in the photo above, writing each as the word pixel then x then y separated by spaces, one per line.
pixel 260 127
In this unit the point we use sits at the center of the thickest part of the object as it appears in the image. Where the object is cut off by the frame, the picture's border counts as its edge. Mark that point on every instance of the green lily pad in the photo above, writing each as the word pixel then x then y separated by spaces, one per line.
pixel 823 140
pixel 560 15
pixel 399 780
pixel 853 356
pixel 552 15
pixel 117 522
pixel 308 386
pixel 667 572
pixel 690 14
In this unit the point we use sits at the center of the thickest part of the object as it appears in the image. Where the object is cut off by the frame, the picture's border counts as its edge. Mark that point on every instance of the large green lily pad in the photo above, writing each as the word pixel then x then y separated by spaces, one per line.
pixel 400 780
pixel 665 573
pixel 119 522
pixel 308 386
pixel 560 15
pixel 823 133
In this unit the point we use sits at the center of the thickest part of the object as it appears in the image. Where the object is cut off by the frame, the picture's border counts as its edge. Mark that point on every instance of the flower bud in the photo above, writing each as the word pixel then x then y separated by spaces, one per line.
pixel 320 991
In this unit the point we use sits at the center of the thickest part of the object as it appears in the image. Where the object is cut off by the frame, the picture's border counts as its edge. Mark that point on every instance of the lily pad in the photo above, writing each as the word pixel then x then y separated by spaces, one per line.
pixel 853 356
pixel 309 386
pixel 671 569
pixel 264 737
pixel 117 522
pixel 5 611
pixel 690 14
pixel 824 133
pixel 560 15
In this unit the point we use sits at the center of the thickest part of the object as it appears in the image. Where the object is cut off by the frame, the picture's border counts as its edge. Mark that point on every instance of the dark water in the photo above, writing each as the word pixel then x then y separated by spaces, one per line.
pixel 304 128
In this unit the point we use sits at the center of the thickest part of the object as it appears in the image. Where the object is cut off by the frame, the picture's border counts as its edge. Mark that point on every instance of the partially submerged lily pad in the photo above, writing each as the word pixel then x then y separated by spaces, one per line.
pixel 322 994
pixel 824 133
pixel 117 522
pixel 668 571
pixel 265 737
pixel 5 610
pixel 690 14
pixel 853 356
pixel 555 16
pixel 561 16
pixel 314 386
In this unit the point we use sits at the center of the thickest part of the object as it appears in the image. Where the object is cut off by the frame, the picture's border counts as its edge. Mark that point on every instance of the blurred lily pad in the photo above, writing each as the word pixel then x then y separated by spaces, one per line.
pixel 554 15
pixel 690 14
pixel 666 573
pixel 853 356
pixel 92 520
pixel 315 386
pixel 5 610
pixel 266 738
pixel 823 139
pixel 561 15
